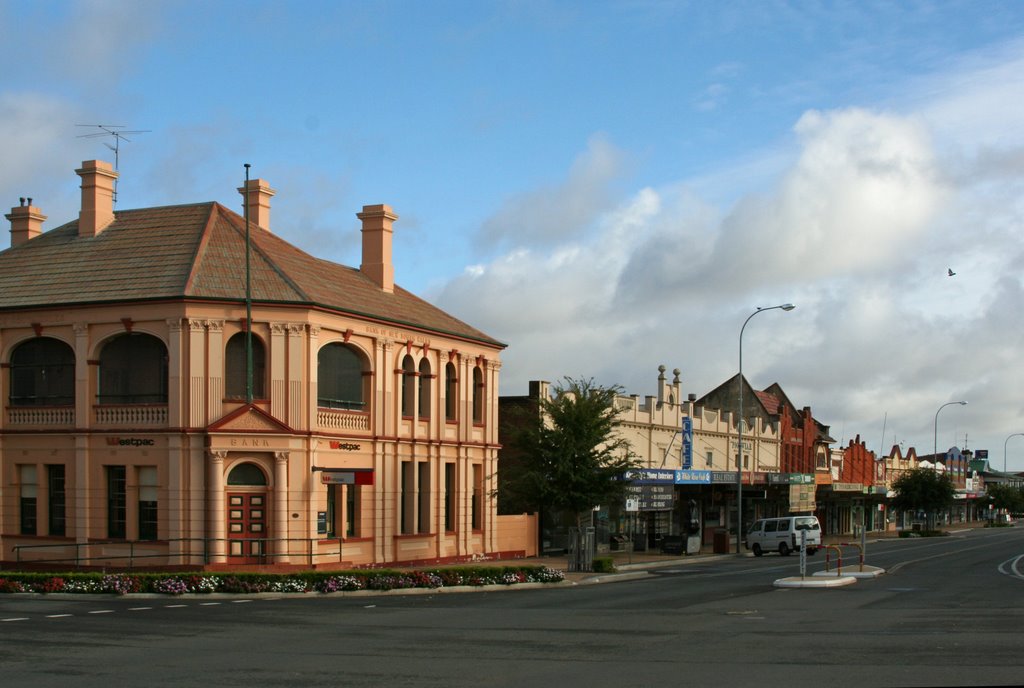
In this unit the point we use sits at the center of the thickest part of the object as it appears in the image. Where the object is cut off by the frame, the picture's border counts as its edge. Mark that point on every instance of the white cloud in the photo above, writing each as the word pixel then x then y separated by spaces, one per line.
pixel 858 231
pixel 549 215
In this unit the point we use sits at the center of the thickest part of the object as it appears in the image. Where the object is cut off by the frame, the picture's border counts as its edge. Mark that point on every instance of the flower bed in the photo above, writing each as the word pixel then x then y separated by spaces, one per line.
pixel 307 581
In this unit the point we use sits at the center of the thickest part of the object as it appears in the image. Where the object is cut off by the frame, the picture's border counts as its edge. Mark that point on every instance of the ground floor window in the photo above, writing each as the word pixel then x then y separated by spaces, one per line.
pixel 331 517
pixel 449 497
pixel 352 505
pixel 423 497
pixel 27 499
pixel 147 503
pixel 56 499
pixel 478 495
pixel 407 512
pixel 117 502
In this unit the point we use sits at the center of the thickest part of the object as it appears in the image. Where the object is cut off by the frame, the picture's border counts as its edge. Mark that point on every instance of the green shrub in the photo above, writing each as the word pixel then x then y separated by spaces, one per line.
pixel 297 582
pixel 604 565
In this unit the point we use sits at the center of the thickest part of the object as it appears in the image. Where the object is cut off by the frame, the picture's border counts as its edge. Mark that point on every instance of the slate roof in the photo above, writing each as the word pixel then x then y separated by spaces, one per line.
pixel 197 252
pixel 769 401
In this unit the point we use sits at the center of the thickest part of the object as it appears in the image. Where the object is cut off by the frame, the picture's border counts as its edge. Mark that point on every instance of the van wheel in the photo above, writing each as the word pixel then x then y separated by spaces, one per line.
pixel 784 549
pixel 757 550
pixel 812 550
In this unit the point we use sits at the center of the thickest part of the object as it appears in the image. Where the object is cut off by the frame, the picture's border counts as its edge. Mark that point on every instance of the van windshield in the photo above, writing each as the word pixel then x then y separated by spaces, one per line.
pixel 806 523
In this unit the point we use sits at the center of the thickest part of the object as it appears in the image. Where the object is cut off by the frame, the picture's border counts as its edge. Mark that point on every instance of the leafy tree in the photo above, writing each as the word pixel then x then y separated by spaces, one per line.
pixel 923 489
pixel 566 454
pixel 1007 497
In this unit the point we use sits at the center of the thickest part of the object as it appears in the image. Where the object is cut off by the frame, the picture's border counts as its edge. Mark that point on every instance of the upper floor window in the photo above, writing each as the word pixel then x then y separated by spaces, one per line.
pixel 236 368
pixel 424 388
pixel 341 382
pixel 42 373
pixel 478 395
pixel 133 370
pixel 451 392
pixel 408 386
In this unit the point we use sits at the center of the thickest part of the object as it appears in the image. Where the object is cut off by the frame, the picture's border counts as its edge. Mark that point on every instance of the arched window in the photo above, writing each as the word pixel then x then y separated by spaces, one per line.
pixel 235 365
pixel 451 392
pixel 424 388
pixel 133 370
pixel 247 474
pixel 42 373
pixel 341 383
pixel 478 395
pixel 408 386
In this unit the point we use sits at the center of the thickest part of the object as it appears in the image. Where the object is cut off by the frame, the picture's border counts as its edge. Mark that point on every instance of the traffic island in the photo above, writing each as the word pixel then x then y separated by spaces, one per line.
pixel 864 571
pixel 832 581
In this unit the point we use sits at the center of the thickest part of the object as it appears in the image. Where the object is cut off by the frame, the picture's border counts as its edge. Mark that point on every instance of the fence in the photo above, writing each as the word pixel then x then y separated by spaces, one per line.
pixel 193 552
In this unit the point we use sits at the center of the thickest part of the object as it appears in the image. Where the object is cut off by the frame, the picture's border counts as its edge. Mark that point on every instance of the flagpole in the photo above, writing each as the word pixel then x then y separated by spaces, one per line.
pixel 248 299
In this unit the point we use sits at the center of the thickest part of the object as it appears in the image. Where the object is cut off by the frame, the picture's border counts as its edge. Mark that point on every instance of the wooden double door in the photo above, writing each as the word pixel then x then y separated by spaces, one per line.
pixel 247 527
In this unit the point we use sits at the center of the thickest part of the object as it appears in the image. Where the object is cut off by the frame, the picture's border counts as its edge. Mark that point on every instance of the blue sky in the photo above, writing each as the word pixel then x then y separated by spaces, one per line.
pixel 605 186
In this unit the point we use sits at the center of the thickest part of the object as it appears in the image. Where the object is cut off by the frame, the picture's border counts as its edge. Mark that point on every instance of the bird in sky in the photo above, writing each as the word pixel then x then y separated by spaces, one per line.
pixel 950 270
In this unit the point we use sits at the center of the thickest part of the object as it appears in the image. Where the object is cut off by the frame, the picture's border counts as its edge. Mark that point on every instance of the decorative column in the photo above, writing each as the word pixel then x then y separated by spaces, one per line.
pixel 280 534
pixel 278 371
pixel 196 372
pixel 216 515
pixel 176 413
pixel 83 379
pixel 213 353
pixel 303 417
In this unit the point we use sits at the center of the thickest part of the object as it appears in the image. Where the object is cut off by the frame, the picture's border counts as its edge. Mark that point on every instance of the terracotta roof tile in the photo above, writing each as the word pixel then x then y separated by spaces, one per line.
pixel 198 252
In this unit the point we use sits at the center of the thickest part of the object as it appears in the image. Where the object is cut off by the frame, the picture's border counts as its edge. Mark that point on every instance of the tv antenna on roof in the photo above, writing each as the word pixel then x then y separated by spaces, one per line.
pixel 118 133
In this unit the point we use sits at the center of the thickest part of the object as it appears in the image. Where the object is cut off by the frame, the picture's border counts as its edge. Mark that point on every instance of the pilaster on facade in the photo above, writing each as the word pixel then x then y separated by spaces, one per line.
pixel 214 360
pixel 307 416
pixel 301 353
pixel 197 387
pixel 83 380
pixel 83 488
pixel 281 507
pixel 278 371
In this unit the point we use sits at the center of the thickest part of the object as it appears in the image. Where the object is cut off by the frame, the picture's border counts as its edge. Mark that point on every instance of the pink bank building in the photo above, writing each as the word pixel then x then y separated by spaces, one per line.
pixel 167 406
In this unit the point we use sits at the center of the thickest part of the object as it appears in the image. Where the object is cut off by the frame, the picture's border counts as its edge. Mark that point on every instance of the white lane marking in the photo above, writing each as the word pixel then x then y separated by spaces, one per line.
pixel 16 618
pixel 240 601
pixel 174 606
pixel 102 611
pixel 138 609
pixel 57 616
pixel 1011 567
pixel 209 604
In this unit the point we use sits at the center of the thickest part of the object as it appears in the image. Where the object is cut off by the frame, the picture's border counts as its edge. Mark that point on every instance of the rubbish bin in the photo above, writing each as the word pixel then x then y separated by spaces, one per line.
pixel 720 544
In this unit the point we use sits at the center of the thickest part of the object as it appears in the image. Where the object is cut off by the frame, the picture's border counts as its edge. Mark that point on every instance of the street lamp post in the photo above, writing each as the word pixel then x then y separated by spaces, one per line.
pixel 1016 434
pixel 935 446
pixel 739 430
pixel 935 440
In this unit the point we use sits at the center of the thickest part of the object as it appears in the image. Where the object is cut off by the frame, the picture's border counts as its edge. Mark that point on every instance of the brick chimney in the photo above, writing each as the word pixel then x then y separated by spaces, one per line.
pixel 97 211
pixel 260 194
pixel 377 221
pixel 26 223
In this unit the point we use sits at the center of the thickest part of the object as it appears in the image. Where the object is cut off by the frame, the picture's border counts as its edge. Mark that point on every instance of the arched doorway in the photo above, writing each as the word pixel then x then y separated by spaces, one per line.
pixel 247 519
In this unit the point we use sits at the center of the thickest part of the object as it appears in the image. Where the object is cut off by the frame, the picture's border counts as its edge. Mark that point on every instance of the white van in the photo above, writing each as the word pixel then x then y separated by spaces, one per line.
pixel 783 535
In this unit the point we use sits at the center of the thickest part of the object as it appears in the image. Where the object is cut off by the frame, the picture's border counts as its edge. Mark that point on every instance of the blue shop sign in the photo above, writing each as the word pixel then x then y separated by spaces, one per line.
pixel 687 442
pixel 693 477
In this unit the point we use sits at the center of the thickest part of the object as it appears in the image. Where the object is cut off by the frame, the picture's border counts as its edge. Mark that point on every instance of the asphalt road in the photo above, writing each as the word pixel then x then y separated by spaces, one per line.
pixel 949 612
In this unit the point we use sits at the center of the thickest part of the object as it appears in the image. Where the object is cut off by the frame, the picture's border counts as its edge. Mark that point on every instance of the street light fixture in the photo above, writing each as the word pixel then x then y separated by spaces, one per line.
pixel 739 430
pixel 1016 434
pixel 935 446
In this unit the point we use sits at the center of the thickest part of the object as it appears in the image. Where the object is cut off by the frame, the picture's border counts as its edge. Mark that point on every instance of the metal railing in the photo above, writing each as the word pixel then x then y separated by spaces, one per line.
pixel 199 551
